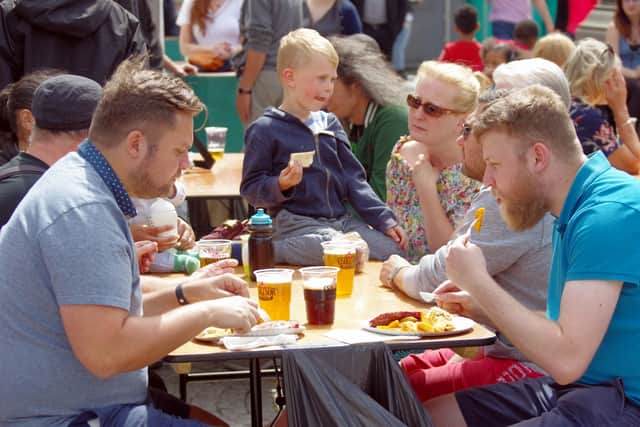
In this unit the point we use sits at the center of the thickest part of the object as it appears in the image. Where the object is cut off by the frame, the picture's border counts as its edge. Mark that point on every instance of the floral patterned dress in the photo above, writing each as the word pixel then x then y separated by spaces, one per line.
pixel 593 128
pixel 455 191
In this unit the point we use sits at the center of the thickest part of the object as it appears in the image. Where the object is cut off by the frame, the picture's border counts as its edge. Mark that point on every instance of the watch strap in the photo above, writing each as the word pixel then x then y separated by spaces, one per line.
pixel 180 295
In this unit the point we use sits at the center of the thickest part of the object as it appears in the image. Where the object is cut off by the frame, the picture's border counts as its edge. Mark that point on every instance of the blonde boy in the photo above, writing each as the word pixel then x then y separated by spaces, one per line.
pixel 309 203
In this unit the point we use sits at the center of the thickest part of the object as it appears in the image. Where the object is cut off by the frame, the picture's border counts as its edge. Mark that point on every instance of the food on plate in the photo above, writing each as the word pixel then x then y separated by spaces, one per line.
pixel 386 318
pixel 305 158
pixel 276 324
pixel 479 217
pixel 265 328
pixel 212 332
pixel 432 321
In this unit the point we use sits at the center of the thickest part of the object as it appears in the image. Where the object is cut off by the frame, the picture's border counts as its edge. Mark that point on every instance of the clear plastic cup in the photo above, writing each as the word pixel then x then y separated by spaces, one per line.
pixel 341 254
pixel 274 292
pixel 320 293
pixel 216 141
pixel 245 256
pixel 213 250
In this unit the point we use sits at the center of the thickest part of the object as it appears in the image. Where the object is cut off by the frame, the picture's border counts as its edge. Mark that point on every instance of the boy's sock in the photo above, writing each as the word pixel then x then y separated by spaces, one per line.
pixel 185 261
pixel 173 260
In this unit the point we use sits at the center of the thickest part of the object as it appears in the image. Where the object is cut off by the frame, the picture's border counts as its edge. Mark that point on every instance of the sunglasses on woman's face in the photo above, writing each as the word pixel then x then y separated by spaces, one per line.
pixel 466 131
pixel 429 109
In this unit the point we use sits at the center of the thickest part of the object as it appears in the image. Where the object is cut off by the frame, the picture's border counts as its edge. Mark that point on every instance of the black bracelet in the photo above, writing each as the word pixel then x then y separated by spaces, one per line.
pixel 244 91
pixel 180 295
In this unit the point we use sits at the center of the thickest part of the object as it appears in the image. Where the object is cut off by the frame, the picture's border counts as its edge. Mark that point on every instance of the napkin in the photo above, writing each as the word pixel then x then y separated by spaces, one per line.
pixel 248 343
pixel 356 336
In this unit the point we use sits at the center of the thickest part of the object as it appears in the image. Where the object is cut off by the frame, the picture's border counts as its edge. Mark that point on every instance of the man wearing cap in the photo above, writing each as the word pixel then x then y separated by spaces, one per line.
pixel 62 107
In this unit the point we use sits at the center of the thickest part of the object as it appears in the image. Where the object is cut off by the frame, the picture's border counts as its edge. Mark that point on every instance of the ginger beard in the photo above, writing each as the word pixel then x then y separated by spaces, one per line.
pixel 524 210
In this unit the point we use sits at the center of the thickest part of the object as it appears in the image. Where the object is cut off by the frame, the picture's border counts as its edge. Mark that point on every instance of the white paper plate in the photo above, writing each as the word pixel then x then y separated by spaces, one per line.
pixel 214 334
pixel 461 325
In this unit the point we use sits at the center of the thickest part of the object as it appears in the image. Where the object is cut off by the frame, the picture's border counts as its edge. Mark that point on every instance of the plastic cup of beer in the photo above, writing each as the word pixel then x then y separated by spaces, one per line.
pixel 245 256
pixel 216 141
pixel 274 291
pixel 320 293
pixel 213 250
pixel 341 254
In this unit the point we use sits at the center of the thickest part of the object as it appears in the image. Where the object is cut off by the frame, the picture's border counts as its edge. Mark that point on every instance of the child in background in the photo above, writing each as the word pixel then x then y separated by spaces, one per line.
pixel 554 47
pixel 309 204
pixel 525 34
pixel 495 52
pixel 465 51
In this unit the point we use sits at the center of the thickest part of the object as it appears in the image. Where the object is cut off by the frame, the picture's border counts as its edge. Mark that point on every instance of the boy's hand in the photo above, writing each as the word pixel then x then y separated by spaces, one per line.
pixel 290 176
pixel 187 238
pixel 398 235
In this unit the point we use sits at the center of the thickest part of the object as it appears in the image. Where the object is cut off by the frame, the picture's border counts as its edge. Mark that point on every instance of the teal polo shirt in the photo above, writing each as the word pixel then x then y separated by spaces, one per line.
pixel 597 237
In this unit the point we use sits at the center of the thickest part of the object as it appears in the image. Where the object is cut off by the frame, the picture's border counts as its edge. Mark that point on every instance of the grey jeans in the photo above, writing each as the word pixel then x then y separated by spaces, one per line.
pixel 297 239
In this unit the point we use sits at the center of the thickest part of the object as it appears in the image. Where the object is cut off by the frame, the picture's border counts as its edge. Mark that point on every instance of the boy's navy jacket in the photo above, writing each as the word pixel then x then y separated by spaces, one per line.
pixel 335 177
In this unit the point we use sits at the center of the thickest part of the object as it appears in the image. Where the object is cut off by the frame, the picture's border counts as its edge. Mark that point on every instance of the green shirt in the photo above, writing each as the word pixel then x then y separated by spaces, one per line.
pixel 383 127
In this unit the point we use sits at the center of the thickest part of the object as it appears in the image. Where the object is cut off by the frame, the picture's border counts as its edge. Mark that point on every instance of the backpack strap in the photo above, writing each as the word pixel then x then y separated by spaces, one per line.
pixel 21 170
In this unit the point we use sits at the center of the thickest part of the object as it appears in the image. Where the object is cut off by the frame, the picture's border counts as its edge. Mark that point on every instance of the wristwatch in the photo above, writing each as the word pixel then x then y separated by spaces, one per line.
pixel 180 295
pixel 244 91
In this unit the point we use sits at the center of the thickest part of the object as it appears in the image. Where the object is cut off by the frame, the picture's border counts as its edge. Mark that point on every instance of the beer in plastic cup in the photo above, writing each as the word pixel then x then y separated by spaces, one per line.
pixel 274 291
pixel 320 293
pixel 341 254
pixel 213 250
pixel 245 256
pixel 216 141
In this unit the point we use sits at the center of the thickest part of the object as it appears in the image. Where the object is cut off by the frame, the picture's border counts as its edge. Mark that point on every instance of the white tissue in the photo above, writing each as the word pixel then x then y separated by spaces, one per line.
pixel 247 343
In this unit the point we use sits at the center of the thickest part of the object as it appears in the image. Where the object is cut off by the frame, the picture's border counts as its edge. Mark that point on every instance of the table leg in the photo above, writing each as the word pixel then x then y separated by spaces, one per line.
pixel 255 391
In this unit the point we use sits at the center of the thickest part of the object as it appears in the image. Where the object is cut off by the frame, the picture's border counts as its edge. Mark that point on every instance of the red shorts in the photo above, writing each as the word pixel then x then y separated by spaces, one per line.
pixel 431 376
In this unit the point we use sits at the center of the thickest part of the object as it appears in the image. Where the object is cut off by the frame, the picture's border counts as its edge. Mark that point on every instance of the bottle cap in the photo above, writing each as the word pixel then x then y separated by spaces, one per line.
pixel 260 218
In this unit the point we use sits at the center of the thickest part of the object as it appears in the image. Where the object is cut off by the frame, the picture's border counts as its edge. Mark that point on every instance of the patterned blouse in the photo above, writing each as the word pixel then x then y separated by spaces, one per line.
pixel 455 191
pixel 593 128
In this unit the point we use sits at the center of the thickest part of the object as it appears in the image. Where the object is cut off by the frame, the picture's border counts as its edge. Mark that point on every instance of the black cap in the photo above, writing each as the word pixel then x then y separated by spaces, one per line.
pixel 65 102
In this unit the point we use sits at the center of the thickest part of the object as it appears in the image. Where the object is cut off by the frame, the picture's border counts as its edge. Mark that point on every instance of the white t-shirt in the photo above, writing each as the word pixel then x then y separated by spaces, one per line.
pixel 221 26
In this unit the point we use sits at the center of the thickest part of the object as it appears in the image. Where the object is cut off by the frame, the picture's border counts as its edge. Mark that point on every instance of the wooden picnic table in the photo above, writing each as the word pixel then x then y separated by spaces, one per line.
pixel 369 299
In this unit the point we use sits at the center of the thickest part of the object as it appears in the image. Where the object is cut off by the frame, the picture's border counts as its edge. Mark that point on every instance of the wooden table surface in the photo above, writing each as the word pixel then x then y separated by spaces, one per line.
pixel 221 181
pixel 369 299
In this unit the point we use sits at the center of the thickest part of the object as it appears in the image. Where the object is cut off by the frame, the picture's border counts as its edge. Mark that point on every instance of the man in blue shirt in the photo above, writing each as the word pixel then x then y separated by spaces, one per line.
pixel 588 342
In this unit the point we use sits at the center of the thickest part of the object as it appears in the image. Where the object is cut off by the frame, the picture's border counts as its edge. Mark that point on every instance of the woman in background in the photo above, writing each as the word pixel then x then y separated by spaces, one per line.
pixel 368 98
pixel 210 32
pixel 623 35
pixel 599 109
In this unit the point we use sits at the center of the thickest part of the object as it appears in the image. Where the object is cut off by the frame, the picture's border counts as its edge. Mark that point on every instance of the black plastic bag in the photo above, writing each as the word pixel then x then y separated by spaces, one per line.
pixel 355 385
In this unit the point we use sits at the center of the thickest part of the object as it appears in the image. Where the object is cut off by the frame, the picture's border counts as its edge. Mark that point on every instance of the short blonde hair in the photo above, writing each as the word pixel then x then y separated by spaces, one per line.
pixel 554 47
pixel 530 115
pixel 588 68
pixel 466 97
pixel 297 48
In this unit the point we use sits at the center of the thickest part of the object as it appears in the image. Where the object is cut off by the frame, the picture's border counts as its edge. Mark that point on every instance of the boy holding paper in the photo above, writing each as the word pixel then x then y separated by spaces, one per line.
pixel 309 203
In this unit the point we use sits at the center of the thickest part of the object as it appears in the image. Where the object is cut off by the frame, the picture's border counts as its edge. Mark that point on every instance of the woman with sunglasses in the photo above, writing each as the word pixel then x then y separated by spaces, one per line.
pixel 623 34
pixel 368 98
pixel 425 185
pixel 598 109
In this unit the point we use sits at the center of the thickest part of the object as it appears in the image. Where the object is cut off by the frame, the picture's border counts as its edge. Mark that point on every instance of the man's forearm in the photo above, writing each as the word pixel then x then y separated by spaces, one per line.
pixel 120 343
pixel 537 337
pixel 252 68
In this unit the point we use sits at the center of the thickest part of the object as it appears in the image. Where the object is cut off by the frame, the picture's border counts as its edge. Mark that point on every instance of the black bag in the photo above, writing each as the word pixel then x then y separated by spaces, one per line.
pixel 355 385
